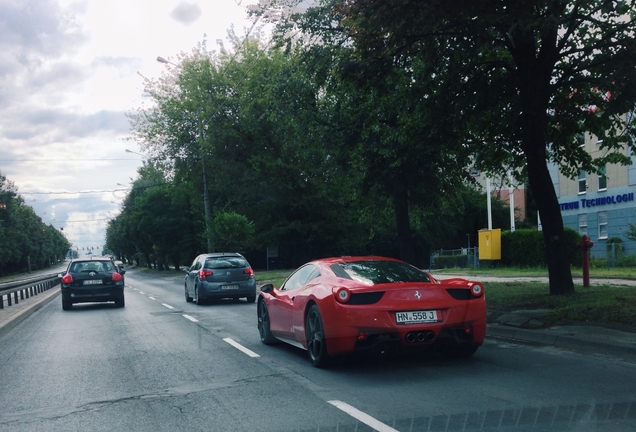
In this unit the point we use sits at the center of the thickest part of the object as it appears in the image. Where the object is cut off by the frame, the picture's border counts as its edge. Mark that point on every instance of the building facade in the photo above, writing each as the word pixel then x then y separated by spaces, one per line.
pixel 599 205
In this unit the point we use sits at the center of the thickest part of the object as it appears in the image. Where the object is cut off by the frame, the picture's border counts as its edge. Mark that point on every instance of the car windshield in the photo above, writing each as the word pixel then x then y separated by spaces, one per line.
pixel 88 266
pixel 225 263
pixel 379 272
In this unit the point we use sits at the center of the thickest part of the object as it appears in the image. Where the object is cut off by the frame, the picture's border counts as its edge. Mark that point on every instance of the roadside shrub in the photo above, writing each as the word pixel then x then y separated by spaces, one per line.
pixel 526 248
pixel 449 261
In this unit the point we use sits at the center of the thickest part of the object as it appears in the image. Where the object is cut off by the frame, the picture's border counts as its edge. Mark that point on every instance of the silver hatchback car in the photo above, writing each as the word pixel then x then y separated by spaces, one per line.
pixel 219 275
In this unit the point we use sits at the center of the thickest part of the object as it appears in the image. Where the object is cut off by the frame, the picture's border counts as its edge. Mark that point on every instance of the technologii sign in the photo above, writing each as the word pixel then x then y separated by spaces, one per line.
pixel 597 202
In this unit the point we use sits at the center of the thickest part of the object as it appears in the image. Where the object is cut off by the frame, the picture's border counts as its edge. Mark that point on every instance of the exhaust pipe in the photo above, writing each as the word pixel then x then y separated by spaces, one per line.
pixel 426 336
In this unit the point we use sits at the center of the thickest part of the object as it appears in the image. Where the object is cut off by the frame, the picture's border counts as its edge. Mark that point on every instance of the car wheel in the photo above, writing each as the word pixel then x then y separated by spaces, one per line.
pixel 197 300
pixel 316 341
pixel 120 302
pixel 187 297
pixel 251 298
pixel 67 305
pixel 263 324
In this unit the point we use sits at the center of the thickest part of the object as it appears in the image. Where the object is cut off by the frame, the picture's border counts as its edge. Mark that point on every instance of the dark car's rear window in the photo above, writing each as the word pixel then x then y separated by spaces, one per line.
pixel 379 272
pixel 225 263
pixel 87 266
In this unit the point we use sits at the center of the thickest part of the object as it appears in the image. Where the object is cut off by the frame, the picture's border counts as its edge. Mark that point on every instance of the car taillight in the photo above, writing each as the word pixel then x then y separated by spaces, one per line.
pixel 342 294
pixel 250 272
pixel 204 273
pixel 67 279
pixel 477 290
pixel 116 277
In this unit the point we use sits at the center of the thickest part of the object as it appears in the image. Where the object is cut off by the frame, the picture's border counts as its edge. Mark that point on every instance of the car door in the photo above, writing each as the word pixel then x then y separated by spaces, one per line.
pixel 193 271
pixel 282 305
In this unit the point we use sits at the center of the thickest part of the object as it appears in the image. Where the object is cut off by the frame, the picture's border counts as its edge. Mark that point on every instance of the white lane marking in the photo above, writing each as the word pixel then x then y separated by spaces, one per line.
pixel 364 418
pixel 141 292
pixel 167 305
pixel 193 319
pixel 151 298
pixel 240 347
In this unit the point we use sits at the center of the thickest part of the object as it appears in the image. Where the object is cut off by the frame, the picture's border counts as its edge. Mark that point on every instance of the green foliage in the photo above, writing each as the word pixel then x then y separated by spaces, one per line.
pixel 232 232
pixel 24 239
pixel 526 248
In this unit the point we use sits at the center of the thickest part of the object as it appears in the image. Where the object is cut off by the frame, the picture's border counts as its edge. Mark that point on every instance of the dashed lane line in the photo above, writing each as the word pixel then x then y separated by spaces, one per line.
pixel 240 347
pixel 363 417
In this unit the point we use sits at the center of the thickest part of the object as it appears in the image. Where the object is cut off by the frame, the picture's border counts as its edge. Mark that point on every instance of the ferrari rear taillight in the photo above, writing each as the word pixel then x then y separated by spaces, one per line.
pixel 116 277
pixel 342 294
pixel 250 272
pixel 477 290
pixel 67 279
pixel 204 274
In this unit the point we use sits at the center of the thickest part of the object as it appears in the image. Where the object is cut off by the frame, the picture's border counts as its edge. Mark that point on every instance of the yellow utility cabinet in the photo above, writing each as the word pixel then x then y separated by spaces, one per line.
pixel 490 244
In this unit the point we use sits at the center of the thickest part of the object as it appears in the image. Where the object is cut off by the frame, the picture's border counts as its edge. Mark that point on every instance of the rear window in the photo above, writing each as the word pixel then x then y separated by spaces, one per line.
pixel 379 272
pixel 225 263
pixel 88 266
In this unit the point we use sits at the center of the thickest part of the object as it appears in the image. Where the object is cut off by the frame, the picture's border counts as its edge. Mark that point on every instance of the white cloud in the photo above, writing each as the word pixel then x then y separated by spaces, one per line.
pixel 69 73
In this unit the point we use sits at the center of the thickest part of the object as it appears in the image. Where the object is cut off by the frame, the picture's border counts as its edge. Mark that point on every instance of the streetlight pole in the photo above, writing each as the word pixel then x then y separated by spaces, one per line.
pixel 206 195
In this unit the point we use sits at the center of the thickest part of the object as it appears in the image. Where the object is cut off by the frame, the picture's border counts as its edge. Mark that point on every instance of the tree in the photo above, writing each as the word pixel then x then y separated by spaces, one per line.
pixel 525 78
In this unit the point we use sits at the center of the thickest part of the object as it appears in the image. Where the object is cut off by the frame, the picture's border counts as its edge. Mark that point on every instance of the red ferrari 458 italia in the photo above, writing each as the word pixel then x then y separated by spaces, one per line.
pixel 382 305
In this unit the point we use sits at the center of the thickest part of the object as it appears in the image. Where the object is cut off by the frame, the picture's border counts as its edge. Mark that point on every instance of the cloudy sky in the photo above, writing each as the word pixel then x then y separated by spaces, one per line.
pixel 69 72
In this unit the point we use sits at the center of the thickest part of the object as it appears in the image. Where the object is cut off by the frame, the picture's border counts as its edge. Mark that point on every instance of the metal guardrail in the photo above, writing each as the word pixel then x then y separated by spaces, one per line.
pixel 15 291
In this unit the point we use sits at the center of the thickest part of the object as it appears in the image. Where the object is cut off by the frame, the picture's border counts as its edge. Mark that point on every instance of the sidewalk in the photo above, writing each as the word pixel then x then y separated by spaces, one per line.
pixel 11 316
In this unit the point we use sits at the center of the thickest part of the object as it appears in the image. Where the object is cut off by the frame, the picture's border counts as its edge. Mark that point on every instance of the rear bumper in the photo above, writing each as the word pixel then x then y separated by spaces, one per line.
pixel 368 329
pixel 92 294
pixel 208 291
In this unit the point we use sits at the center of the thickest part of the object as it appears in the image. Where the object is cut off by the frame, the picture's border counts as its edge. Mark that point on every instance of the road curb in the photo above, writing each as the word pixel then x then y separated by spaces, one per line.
pixel 587 344
pixel 10 317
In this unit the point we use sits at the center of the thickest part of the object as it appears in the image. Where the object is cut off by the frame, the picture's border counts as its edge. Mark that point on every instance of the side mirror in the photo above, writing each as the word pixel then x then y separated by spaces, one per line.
pixel 122 271
pixel 267 288
pixel 186 270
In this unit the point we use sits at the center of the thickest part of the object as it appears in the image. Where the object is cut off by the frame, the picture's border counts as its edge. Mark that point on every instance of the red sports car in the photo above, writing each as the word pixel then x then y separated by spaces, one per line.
pixel 343 305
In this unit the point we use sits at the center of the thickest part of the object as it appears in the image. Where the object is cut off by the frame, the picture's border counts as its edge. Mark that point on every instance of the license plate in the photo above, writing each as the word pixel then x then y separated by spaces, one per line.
pixel 229 287
pixel 93 282
pixel 417 317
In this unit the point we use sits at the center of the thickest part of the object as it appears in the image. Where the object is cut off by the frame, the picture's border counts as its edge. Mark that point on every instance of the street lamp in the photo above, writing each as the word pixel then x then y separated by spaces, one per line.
pixel 206 198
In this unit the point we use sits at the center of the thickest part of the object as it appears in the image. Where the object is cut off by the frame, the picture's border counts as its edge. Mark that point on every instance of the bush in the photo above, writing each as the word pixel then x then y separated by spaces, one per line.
pixel 526 248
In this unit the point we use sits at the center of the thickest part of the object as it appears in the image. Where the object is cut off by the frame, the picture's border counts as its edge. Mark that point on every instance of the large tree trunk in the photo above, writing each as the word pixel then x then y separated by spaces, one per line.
pixel 401 206
pixel 534 91
pixel 556 248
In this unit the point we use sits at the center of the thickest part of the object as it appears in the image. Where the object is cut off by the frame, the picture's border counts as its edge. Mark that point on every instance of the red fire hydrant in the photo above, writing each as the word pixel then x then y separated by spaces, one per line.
pixel 586 244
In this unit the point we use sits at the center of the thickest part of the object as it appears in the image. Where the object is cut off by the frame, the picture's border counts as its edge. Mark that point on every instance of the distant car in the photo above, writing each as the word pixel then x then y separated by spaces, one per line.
pixel 120 265
pixel 380 305
pixel 219 275
pixel 92 280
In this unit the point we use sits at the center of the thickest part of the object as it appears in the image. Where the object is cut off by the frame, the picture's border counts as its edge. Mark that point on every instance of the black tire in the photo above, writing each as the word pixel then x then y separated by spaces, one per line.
pixel 67 305
pixel 197 299
pixel 120 302
pixel 251 298
pixel 263 324
pixel 316 341
pixel 187 297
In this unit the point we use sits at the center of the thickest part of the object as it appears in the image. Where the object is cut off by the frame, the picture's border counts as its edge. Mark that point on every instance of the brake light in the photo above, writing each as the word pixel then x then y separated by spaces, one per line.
pixel 477 290
pixel 250 272
pixel 342 294
pixel 116 277
pixel 67 279
pixel 204 273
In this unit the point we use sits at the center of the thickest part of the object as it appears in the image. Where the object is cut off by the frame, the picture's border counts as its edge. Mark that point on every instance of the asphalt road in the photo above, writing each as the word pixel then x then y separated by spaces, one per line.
pixel 161 364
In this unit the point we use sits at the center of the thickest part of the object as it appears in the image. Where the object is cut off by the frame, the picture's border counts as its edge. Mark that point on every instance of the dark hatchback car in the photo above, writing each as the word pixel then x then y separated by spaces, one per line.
pixel 92 280
pixel 219 275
